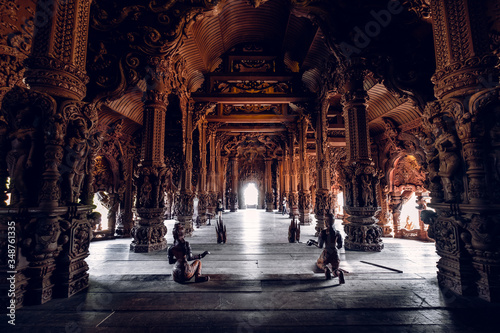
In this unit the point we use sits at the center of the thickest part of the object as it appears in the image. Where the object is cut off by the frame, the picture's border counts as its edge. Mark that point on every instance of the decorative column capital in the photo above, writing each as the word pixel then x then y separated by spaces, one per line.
pixel 58 56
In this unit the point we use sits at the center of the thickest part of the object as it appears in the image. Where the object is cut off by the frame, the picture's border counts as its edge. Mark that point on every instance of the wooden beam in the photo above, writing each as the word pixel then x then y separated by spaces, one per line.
pixel 252 129
pixel 250 98
pixel 255 118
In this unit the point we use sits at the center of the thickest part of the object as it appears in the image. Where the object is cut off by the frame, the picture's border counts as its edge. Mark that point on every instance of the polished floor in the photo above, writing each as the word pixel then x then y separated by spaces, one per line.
pixel 261 283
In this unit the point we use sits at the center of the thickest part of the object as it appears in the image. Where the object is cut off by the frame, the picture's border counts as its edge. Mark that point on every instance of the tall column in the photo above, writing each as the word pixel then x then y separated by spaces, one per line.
pixel 281 168
pixel 185 197
pixel 360 176
pixel 233 195
pixel 293 194
pixel 212 178
pixel 48 140
pixel 304 193
pixel 224 161
pixel 396 205
pixel 125 218
pixel 384 216
pixel 149 230
pixel 203 197
pixel 286 174
pixel 464 124
pixel 323 204
pixel 268 184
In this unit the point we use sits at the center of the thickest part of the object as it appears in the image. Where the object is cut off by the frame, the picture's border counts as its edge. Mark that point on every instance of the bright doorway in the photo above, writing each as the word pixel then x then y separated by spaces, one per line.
pixel 251 195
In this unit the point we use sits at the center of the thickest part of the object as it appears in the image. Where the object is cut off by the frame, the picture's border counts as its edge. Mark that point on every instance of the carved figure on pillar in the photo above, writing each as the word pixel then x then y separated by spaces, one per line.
pixel 447 146
pixel 20 157
pixel 76 167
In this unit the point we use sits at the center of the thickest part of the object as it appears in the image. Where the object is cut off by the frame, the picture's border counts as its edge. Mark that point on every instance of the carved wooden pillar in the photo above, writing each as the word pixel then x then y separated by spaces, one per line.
pixel 223 174
pixel 212 178
pixel 464 122
pixel 149 230
pixel 286 175
pixel 54 142
pixel 219 169
pixel 384 217
pixel 293 195
pixel 185 208
pixel 233 195
pixel 396 205
pixel 359 172
pixel 304 193
pixel 323 205
pixel 125 217
pixel 203 198
pixel 268 185
pixel 281 168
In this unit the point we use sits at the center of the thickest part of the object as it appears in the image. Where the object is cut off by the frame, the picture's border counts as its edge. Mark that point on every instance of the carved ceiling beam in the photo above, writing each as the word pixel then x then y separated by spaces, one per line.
pixel 250 99
pixel 245 119
pixel 251 129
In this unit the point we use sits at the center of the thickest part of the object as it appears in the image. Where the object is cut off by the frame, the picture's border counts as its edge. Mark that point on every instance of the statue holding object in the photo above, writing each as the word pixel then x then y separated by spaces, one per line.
pixel 180 253
pixel 329 260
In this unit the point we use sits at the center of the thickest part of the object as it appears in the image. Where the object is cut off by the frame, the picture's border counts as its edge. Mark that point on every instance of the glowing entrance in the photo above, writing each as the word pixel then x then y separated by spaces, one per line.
pixel 251 195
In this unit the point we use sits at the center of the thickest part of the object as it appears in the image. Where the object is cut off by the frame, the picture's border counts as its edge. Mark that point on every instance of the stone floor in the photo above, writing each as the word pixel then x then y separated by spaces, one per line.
pixel 261 283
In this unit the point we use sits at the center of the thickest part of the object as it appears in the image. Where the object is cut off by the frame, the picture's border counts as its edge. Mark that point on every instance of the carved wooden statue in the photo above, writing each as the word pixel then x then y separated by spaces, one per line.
pixel 449 161
pixel 19 158
pixel 220 228
pixel 329 260
pixel 179 254
pixel 294 231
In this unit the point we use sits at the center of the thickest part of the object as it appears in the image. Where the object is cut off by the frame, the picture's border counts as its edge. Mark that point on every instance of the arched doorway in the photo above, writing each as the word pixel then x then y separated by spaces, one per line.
pixel 251 195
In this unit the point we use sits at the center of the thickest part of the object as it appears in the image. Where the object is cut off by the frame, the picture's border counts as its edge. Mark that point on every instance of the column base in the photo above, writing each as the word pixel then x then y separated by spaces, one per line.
pixel 77 281
pixel 187 223
pixel 201 220
pixel 18 282
pixel 456 275
pixel 362 237
pixel 146 248
pixel 149 232
pixel 305 218
pixel 41 284
pixel 488 285
pixel 320 224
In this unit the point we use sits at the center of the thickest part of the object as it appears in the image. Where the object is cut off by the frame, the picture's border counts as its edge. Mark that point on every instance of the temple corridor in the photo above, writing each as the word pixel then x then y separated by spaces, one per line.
pixel 261 283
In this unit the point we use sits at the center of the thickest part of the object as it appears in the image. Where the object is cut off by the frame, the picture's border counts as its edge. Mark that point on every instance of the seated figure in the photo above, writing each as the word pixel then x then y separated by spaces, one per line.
pixel 180 253
pixel 329 259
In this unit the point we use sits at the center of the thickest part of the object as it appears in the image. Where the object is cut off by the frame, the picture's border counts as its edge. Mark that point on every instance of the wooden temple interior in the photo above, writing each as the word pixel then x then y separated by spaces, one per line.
pixel 156 110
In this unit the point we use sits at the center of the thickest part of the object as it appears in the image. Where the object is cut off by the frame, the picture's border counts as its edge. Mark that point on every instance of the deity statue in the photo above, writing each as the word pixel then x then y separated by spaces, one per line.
pixel 19 158
pixel 180 253
pixel 329 260
pixel 77 148
pixel 367 187
pixel 449 161
pixel 409 224
pixel 147 187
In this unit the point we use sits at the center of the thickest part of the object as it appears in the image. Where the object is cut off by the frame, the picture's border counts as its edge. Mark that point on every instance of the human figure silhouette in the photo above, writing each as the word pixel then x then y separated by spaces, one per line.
pixel 180 254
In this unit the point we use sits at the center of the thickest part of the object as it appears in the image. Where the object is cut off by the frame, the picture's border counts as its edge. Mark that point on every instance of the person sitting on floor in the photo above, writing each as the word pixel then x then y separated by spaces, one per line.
pixel 329 260
pixel 180 253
